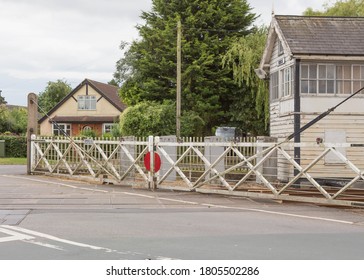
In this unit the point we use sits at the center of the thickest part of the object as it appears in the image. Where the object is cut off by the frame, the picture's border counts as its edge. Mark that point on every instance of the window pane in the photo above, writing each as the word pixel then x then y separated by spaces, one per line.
pixel 312 87
pixel 313 72
pixel 330 86
pixel 347 87
pixel 322 86
pixel 304 86
pixel 356 86
pixel 339 72
pixel 330 71
pixel 347 72
pixel 339 87
pixel 356 72
pixel 93 103
pixel 304 71
pixel 322 71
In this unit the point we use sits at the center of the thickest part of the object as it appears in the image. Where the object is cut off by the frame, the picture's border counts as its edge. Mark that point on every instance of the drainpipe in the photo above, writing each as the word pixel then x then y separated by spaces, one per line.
pixel 297 114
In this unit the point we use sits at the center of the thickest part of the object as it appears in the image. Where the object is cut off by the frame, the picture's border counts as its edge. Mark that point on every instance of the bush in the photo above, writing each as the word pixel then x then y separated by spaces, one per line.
pixel 88 133
pixel 15 146
pixel 152 118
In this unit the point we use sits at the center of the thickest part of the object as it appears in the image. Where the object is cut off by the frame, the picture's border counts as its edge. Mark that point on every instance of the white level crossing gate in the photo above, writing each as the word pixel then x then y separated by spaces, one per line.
pixel 324 173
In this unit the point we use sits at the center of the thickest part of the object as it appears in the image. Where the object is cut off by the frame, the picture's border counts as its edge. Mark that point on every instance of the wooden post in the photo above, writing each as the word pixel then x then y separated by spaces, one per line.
pixel 178 97
pixel 32 127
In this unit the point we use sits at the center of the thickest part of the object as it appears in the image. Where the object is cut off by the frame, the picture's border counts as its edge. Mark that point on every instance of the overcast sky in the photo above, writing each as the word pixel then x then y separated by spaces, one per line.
pixel 47 40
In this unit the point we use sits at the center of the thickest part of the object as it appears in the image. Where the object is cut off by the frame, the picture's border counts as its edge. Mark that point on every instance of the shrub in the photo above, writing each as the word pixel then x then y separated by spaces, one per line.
pixel 15 146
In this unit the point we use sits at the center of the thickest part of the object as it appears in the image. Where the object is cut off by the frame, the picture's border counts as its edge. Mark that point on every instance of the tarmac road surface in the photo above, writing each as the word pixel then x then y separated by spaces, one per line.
pixel 48 218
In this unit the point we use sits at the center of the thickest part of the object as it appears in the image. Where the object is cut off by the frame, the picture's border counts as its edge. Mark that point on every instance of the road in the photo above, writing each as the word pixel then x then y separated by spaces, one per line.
pixel 49 218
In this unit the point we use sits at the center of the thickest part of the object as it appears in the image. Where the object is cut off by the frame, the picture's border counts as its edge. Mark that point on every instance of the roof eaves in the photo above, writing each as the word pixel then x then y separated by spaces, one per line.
pixel 95 87
pixel 59 104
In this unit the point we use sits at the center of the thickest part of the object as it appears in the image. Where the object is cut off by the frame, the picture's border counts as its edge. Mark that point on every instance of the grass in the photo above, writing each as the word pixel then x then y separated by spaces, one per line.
pixel 13 161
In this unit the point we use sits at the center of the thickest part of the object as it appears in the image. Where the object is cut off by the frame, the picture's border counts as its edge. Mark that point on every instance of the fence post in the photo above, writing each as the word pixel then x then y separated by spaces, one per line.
pixel 32 127
pixel 151 177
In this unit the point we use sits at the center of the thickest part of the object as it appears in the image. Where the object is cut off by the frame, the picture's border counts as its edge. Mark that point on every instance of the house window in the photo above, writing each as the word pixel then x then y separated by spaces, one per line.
pixel 331 78
pixel 282 83
pixel 326 78
pixel 86 128
pixel 280 48
pixel 86 102
pixel 358 77
pixel 287 81
pixel 274 83
pixel 60 128
pixel 107 127
pixel 308 78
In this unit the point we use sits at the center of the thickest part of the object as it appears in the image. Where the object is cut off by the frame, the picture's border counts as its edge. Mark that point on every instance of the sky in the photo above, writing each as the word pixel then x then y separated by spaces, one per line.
pixel 70 40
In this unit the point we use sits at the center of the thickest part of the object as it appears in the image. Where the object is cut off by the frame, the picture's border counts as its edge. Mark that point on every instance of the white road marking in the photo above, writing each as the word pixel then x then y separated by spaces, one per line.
pixel 194 203
pixel 44 245
pixel 13 235
pixel 280 213
pixel 17 234
pixel 61 240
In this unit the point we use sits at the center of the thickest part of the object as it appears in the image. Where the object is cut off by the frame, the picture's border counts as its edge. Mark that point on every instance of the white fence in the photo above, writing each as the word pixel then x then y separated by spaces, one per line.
pixel 324 173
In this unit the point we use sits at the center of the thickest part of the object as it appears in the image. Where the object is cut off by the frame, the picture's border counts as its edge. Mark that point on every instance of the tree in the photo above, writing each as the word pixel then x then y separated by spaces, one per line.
pixel 53 93
pixel 349 8
pixel 153 118
pixel 18 120
pixel 243 57
pixel 4 117
pixel 148 70
pixel 2 99
pixel 13 120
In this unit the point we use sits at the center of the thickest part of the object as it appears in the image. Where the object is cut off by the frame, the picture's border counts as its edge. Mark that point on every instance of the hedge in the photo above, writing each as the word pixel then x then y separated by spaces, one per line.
pixel 15 146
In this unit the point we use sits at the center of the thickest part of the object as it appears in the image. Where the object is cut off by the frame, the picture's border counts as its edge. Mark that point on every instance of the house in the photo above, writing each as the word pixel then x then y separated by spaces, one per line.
pixel 312 64
pixel 90 106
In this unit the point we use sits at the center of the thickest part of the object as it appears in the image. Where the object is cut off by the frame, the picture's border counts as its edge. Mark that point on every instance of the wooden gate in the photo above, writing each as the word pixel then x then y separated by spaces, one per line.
pixel 326 173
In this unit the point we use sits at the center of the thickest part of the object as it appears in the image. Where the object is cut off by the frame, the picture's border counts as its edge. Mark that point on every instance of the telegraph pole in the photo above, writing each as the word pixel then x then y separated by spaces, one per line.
pixel 178 97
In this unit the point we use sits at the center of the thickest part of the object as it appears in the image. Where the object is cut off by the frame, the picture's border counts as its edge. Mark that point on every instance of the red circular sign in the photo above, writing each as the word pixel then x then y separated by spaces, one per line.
pixel 157 162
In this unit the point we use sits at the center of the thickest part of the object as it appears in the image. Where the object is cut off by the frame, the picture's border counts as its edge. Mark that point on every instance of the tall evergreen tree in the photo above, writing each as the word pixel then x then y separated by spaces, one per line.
pixel 148 69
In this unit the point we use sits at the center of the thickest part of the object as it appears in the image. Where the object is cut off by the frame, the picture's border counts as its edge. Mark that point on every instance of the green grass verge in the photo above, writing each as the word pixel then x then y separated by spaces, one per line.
pixel 13 161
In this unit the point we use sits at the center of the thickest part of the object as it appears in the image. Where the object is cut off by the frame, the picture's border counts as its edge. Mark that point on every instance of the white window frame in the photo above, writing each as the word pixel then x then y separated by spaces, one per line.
pixel 282 83
pixel 105 130
pixel 286 81
pixel 66 127
pixel 86 102
pixel 346 78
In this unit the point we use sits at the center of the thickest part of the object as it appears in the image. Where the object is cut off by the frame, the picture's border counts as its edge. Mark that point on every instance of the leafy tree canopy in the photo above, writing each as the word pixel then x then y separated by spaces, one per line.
pixel 13 120
pixel 53 93
pixel 147 72
pixel 348 8
pixel 243 57
pixel 153 118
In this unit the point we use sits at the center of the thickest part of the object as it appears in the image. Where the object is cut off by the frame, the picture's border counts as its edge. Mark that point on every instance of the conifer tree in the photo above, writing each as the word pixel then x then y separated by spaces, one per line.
pixel 147 72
